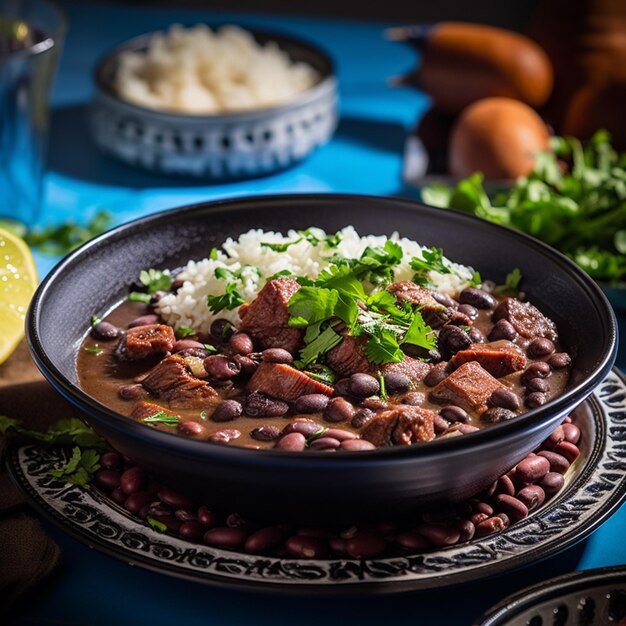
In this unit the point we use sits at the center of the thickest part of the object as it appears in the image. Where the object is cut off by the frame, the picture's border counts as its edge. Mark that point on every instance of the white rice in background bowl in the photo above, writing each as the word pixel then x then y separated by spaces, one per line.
pixel 188 306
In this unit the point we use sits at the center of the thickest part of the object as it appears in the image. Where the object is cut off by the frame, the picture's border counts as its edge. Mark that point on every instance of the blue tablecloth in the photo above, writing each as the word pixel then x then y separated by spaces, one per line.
pixel 364 157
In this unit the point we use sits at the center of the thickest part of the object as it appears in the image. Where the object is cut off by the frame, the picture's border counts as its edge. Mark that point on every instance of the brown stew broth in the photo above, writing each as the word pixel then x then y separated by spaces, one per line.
pixel 101 375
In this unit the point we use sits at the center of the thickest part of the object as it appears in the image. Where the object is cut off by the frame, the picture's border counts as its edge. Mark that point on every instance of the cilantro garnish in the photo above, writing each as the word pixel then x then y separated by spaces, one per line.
pixel 81 467
pixel 210 348
pixel 230 299
pixel 316 435
pixel 161 417
pixel 383 387
pixel 95 320
pixel 323 342
pixel 213 254
pixel 94 350
pixel 321 373
pixel 184 331
pixel 511 284
pixel 138 296
pixel 330 241
pixel 156 524
pixel 153 280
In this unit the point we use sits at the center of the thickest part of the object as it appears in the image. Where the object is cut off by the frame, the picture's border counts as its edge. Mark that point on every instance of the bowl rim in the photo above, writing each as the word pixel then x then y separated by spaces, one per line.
pixel 191 447
pixel 327 81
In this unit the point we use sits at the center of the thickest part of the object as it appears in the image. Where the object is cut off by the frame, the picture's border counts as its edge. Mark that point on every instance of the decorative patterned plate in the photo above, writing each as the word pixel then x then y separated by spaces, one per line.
pixel 596 487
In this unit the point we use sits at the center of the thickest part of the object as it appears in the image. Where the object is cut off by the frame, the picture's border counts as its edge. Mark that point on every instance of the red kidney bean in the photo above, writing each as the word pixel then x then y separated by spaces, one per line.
pixel 225 436
pixel 567 420
pixel 464 429
pixel 477 297
pixel 263 540
pixel 532 469
pixel 572 433
pixel 192 429
pixel 132 392
pixel 220 367
pixel 496 414
pixel 374 404
pixel 293 442
pixel 502 329
pixel 489 526
pixel 436 374
pixel 234 520
pixel 144 320
pixel 453 339
pixel 207 517
pixel 535 399
pixel 361 418
pixel 483 507
pixel 454 413
pixel 305 427
pixel 532 496
pixel 413 541
pixel 174 499
pixel 225 537
pixel 314 531
pixel 306 547
pixel 440 424
pixel 277 355
pixel 396 382
pixel 536 370
pixel 505 519
pixel 357 445
pixel 559 360
pixel 172 524
pixel 157 509
pixel 558 463
pixel 552 483
pixel 469 310
pixel 227 410
pixel 137 501
pixel 311 403
pixel 466 530
pixel 540 347
pixel 325 443
pixel 241 343
pixel 537 384
pixel 105 331
pixel 265 433
pixel 185 515
pixel 511 506
pixel 341 435
pixel 187 344
pixel 247 364
pixel 363 385
pixel 365 545
pixel 338 544
pixel 569 450
pixel 438 535
pixel 445 299
pixel 111 460
pixel 118 496
pixel 107 479
pixel 476 336
pixel 191 530
pixel 258 404
pixel 221 329
pixel 478 518
pixel 133 480
pixel 505 398
pixel 505 486
pixel 339 410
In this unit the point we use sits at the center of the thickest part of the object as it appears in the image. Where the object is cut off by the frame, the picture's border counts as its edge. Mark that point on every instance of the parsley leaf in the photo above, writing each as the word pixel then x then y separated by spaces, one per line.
pixel 324 342
pixel 155 280
pixel 420 334
pixel 80 468
pixel 184 331
pixel 230 299
pixel 310 305
pixel 383 347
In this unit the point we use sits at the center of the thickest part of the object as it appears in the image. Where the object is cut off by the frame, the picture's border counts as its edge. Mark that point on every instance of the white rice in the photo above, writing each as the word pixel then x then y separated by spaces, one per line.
pixel 188 306
pixel 200 71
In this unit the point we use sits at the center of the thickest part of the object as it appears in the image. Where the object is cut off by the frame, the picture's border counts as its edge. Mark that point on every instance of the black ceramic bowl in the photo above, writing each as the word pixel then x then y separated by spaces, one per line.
pixel 316 486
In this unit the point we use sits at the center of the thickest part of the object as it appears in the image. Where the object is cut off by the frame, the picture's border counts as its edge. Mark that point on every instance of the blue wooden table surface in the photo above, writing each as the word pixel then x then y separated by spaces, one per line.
pixel 365 156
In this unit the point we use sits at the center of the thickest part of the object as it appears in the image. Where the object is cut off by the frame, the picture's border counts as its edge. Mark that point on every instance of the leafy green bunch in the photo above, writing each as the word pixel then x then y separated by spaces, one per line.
pixel 574 200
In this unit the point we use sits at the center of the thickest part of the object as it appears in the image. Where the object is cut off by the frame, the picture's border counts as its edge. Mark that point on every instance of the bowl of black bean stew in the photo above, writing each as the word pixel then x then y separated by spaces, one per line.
pixel 326 371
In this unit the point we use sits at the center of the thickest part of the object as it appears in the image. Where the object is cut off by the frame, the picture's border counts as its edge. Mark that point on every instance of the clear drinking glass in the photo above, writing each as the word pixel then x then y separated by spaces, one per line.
pixel 31 34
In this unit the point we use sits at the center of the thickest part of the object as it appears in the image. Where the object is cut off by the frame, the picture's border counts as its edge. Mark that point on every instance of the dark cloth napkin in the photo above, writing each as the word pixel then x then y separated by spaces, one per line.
pixel 27 554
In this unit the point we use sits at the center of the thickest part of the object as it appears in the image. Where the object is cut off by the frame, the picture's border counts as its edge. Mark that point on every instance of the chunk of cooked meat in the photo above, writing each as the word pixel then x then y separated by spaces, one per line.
pixel 172 381
pixel 499 358
pixel 145 409
pixel 285 382
pixel 414 369
pixel 527 319
pixel 469 387
pixel 348 357
pixel 266 319
pixel 434 313
pixel 142 342
pixel 402 425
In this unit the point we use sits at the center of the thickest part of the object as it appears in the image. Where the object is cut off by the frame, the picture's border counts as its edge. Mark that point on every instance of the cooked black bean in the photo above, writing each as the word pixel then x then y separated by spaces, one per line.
pixel 454 338
pixel 219 367
pixel 375 404
pixel 342 387
pixel 414 398
pixel 505 398
pixel 357 445
pixel 476 336
pixel 536 370
pixel 258 404
pixel 559 360
pixel 192 429
pixel 311 403
pixel 341 435
pixel 440 424
pixel 454 413
pixel 105 331
pixel 325 443
pixel 187 344
pixel 227 410
pixel 362 417
pixel 277 355
pixel 469 310
pixel 459 319
pixel 247 363
pixel 225 436
pixel 478 298
pixel 308 428
pixel 396 382
pixel 144 320
pixel 540 347
pixel 445 299
pixel 535 399
pixel 240 343
pixel 293 442
pixel 495 415
pixel 132 392
pixel 502 329
pixel 538 384
pixel 339 410
pixel 221 329
pixel 436 374
pixel 265 433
